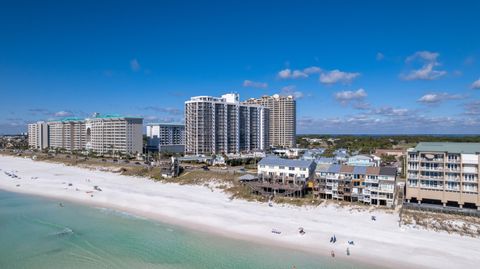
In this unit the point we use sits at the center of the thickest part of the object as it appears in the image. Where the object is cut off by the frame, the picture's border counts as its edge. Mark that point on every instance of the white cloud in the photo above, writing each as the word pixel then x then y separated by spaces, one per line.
pixel 346 97
pixel 292 90
pixel 427 71
pixel 287 74
pixel 336 75
pixel 294 74
pixel 254 84
pixel 380 56
pixel 390 111
pixel 135 65
pixel 435 98
pixel 424 55
pixel 476 84
pixel 63 114
pixel 312 70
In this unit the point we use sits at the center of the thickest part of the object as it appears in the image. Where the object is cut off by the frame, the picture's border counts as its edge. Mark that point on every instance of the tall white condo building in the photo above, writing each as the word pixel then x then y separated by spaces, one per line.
pixel 38 135
pixel 101 134
pixel 215 125
pixel 282 118
pixel 113 133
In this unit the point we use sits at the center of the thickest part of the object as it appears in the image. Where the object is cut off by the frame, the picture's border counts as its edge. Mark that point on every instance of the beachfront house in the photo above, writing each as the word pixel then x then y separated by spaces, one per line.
pixel 366 184
pixel 283 177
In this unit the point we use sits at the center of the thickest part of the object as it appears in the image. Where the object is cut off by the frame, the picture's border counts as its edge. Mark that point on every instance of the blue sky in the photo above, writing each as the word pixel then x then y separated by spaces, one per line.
pixel 355 66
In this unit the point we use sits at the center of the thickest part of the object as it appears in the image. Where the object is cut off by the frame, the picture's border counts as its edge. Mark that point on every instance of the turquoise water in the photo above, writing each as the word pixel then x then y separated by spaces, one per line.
pixel 38 233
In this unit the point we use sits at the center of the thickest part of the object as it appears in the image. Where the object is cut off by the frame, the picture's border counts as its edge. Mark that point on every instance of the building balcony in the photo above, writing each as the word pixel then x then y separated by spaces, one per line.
pixel 431 177
pixel 434 169
pixel 435 160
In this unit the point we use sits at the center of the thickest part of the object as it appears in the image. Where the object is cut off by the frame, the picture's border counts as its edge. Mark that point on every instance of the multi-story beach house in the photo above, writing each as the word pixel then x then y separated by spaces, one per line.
pixel 282 119
pixel 38 135
pixel 216 125
pixel 286 169
pixel 166 137
pixel 367 184
pixel 284 177
pixel 68 134
pixel 444 173
pixel 114 134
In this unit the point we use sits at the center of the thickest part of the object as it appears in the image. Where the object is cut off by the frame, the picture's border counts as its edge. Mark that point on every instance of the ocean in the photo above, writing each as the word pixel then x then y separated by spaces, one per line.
pixel 40 233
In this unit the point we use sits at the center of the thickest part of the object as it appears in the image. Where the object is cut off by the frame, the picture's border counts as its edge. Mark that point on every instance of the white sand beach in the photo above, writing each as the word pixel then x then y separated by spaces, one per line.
pixel 381 242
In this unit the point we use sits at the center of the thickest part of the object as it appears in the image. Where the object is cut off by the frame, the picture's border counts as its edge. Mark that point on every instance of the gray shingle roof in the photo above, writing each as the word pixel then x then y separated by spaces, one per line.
pixel 334 168
pixel 452 147
pixel 359 170
pixel 388 171
pixel 275 161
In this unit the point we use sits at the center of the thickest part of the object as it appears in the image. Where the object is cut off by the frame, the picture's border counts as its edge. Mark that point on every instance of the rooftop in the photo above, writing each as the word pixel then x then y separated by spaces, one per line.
pixel 451 147
pixel 359 170
pixel 113 116
pixel 275 161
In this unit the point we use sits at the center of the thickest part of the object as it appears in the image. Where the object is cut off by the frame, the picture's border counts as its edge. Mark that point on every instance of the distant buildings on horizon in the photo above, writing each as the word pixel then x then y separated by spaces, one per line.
pixel 213 125
pixel 101 134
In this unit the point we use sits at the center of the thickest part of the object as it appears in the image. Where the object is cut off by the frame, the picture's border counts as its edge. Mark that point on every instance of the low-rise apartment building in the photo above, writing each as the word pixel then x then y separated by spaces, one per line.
pixel 444 173
pixel 370 185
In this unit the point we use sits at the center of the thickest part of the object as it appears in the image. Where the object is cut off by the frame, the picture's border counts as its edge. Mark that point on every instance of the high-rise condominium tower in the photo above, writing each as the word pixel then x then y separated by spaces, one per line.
pixel 224 125
pixel 282 120
pixel 68 134
pixel 38 135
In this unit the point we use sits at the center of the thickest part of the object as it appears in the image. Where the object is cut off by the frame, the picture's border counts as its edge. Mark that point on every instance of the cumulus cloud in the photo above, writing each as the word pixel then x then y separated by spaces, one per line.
pixel 476 84
pixel 424 55
pixel 428 70
pixel 435 98
pixel 390 111
pixel 288 74
pixel 135 65
pixel 312 70
pixel 336 76
pixel 63 114
pixel 346 97
pixel 254 84
pixel 292 90
pixel 295 74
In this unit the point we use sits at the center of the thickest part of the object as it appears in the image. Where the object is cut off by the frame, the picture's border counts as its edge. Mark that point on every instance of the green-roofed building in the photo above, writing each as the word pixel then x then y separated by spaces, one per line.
pixel 445 173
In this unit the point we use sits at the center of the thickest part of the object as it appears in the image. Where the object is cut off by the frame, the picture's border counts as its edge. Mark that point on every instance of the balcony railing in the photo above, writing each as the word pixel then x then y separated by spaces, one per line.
pixel 435 169
pixel 432 160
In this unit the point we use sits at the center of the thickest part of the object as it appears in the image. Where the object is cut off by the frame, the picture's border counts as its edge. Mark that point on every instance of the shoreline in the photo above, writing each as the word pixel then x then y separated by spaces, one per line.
pixel 182 205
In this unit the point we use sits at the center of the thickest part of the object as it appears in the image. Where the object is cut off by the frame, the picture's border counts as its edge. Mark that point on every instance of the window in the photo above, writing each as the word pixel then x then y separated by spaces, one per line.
pixel 281 167
pixel 291 168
